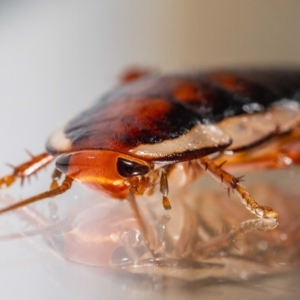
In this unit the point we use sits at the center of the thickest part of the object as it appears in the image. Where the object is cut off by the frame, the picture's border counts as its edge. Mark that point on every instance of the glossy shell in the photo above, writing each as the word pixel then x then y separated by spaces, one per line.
pixel 180 117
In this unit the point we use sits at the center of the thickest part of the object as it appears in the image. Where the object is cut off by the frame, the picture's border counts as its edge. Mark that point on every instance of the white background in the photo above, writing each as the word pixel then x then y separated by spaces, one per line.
pixel 57 57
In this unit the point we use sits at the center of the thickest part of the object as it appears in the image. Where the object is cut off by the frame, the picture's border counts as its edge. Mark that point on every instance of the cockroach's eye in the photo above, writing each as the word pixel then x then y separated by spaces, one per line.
pixel 128 168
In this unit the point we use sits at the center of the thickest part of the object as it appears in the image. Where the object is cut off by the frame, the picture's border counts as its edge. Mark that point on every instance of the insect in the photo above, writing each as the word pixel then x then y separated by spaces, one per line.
pixel 130 140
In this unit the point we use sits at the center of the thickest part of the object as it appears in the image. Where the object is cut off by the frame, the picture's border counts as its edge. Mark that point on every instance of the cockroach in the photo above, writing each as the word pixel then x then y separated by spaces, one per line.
pixel 132 138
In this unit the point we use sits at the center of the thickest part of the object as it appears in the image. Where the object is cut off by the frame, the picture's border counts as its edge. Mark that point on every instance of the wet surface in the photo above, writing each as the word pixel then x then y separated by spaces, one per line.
pixel 207 244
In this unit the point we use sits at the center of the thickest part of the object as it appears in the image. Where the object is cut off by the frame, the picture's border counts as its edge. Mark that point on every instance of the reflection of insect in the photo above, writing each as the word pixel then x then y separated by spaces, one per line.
pixel 136 133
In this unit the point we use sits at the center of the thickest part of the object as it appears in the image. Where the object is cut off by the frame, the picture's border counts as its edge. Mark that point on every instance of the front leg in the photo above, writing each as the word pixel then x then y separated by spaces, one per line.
pixel 26 169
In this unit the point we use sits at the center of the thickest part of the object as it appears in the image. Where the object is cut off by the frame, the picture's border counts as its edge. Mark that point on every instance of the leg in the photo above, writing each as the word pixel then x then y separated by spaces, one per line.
pixel 132 201
pixel 164 189
pixel 66 185
pixel 231 182
pixel 140 219
pixel 27 169
pixel 277 154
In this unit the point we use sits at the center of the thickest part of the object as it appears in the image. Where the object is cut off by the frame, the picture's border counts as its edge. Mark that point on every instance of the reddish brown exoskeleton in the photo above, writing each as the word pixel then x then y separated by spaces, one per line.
pixel 131 139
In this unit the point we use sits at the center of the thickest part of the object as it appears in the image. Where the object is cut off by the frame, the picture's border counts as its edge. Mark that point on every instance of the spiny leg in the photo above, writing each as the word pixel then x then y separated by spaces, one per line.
pixel 231 182
pixel 26 169
pixel 66 185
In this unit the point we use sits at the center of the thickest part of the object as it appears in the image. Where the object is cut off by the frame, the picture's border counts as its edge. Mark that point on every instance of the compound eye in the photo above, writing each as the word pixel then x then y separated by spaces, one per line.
pixel 128 168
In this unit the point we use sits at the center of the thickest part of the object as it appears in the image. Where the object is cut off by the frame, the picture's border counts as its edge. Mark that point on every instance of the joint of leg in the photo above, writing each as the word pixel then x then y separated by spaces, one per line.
pixel 234 182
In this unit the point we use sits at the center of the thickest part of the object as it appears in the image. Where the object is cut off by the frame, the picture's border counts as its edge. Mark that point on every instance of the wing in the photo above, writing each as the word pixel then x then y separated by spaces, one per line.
pixel 172 118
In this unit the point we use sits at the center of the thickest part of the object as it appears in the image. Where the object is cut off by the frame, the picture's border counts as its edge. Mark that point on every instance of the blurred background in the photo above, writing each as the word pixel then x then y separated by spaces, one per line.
pixel 57 57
